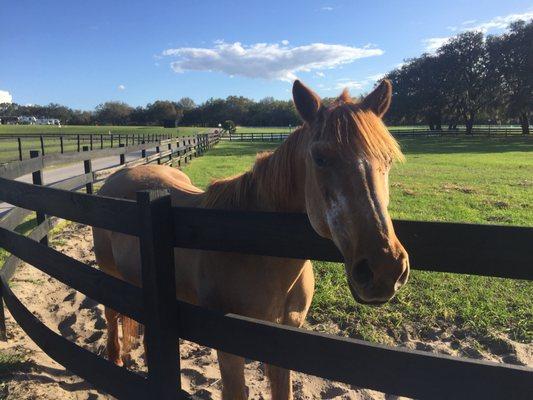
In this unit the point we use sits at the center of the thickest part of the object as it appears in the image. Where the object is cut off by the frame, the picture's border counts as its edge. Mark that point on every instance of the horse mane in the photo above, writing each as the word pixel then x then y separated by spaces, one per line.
pixel 276 175
pixel 372 139
pixel 267 185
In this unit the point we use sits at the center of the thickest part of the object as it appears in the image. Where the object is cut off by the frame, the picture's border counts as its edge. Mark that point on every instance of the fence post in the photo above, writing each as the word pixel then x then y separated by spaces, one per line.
pixel 37 179
pixel 88 167
pixel 170 155
pixel 159 294
pixel 61 146
pixel 101 141
pixel 127 137
pixel 143 151
pixel 19 140
pixel 158 150
pixel 122 155
pixel 91 141
pixel 79 143
pixel 42 144
pixel 111 140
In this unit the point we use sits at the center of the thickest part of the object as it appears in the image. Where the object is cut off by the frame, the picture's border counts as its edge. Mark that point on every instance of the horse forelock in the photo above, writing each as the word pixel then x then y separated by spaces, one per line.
pixel 348 124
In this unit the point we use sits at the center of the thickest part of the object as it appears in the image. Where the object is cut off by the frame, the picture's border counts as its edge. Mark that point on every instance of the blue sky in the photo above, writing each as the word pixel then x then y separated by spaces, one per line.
pixel 82 53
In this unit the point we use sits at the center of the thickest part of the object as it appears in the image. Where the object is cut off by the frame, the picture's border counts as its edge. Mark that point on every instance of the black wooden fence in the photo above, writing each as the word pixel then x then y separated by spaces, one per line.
pixel 49 143
pixel 462 248
pixel 419 131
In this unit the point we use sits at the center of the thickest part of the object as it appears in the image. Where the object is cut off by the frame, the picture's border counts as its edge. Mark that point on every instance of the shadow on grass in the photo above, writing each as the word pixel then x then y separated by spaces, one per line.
pixel 421 145
pixel 454 145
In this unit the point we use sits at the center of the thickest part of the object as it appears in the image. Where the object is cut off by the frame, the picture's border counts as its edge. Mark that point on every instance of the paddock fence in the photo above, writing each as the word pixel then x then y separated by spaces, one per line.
pixel 16 146
pixel 498 251
pixel 414 132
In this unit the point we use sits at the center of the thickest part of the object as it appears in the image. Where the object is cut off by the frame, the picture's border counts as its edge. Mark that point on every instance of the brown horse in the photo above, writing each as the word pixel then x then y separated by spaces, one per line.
pixel 335 169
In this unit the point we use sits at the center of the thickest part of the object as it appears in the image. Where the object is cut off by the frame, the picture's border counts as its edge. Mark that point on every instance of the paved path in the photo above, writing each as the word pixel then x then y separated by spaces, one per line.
pixel 56 174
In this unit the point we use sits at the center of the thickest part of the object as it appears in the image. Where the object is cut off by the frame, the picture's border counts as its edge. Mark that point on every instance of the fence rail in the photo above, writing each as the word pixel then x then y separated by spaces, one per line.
pixel 397 132
pixel 160 227
pixel 16 146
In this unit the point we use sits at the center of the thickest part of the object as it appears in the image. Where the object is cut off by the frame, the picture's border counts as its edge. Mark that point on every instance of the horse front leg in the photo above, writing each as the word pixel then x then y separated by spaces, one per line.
pixel 296 307
pixel 232 373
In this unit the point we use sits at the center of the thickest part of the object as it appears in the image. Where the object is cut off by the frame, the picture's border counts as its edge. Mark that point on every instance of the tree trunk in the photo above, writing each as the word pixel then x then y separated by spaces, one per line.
pixel 469 125
pixel 524 122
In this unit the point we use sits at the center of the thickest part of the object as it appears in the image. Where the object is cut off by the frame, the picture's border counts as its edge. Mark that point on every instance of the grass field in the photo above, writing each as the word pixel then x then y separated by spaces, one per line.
pixel 444 179
pixel 102 129
pixel 9 146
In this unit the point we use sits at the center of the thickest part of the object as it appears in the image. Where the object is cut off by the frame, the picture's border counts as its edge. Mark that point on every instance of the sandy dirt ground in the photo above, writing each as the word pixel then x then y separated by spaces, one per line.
pixel 81 320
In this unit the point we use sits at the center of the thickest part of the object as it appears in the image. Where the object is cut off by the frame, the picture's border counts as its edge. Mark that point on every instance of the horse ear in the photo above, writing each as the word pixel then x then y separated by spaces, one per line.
pixel 379 99
pixel 306 101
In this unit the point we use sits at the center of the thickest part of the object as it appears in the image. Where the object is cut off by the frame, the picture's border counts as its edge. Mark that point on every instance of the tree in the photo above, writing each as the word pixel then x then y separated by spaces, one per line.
pixel 161 112
pixel 466 82
pixel 185 104
pixel 113 113
pixel 511 63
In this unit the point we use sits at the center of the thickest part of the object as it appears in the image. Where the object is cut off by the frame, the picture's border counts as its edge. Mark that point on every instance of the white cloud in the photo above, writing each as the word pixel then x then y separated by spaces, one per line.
pixel 358 85
pixel 499 23
pixel 265 60
pixel 432 44
pixel 494 24
pixel 346 84
pixel 121 88
pixel 327 8
pixel 285 42
pixel 376 77
pixel 320 74
pixel 5 97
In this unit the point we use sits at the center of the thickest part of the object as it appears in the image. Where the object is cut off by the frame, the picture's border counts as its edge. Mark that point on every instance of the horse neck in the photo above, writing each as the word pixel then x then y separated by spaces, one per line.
pixel 275 182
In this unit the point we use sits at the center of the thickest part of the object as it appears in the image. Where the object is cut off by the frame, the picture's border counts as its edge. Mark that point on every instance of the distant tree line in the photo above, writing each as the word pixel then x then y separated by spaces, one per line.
pixel 241 110
pixel 470 79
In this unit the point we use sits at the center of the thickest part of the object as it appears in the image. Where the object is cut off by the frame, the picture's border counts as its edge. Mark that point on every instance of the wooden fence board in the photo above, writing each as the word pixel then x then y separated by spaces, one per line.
pixel 117 381
pixel 391 370
pixel 93 283
pixel 114 214
pixel 13 217
pixel 37 233
pixel 499 251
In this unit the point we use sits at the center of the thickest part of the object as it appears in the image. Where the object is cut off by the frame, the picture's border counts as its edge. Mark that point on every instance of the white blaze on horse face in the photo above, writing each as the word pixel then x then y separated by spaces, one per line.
pixel 338 217
pixel 372 208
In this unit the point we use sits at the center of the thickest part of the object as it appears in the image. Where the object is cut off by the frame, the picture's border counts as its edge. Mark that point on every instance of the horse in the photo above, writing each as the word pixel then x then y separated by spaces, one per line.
pixel 334 168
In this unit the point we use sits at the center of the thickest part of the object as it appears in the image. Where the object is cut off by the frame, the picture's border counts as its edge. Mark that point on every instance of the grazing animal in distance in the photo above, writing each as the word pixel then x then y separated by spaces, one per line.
pixel 335 169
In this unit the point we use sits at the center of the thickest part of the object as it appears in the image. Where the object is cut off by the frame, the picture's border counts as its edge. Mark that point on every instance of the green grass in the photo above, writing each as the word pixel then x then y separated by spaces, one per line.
pixel 475 180
pixel 11 362
pixel 101 129
pixel 9 146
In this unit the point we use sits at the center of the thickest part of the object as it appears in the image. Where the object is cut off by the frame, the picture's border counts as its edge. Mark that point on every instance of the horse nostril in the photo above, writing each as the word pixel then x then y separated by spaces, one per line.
pixel 363 275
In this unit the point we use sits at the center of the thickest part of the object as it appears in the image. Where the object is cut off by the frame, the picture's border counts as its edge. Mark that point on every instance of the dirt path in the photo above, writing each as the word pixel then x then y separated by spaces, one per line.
pixel 80 319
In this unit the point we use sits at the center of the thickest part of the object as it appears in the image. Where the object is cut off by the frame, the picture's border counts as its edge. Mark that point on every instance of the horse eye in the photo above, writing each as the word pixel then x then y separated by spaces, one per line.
pixel 321 161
